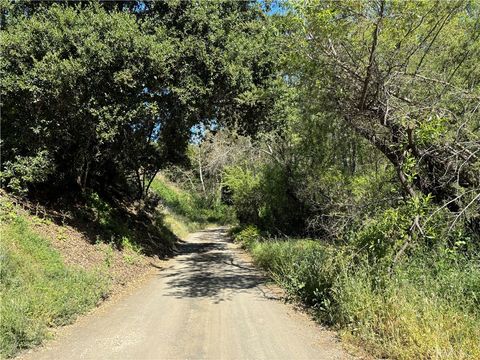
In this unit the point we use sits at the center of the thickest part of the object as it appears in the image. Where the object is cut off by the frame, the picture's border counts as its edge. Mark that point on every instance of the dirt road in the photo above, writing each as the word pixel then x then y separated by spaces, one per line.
pixel 209 303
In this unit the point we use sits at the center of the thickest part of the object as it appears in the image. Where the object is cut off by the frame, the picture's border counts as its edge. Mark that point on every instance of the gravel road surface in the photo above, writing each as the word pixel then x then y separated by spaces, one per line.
pixel 208 303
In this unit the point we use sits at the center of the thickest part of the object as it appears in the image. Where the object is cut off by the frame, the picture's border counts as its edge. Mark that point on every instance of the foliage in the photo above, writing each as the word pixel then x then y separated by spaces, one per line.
pixel 383 236
pixel 141 229
pixel 110 93
pixel 245 187
pixel 248 236
pixel 427 309
pixel 27 170
pixel 402 76
pixel 131 251
pixel 263 196
pixel 369 125
pixel 113 227
pixel 37 289
pixel 209 155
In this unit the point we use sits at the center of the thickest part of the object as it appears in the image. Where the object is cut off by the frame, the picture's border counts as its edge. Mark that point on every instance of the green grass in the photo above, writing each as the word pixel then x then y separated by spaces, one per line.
pixel 189 209
pixel 179 225
pixel 37 289
pixel 427 308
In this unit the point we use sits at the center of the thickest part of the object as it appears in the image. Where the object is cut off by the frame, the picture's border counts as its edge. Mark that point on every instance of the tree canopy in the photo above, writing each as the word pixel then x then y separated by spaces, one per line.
pixel 100 94
pixel 319 115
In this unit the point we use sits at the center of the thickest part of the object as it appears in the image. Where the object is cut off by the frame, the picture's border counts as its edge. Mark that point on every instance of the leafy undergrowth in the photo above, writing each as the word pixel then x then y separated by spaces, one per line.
pixel 37 289
pixel 141 226
pixel 427 308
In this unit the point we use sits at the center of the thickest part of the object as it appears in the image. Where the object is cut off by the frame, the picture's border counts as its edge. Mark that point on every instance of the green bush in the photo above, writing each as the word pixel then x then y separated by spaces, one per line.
pixel 135 233
pixel 37 289
pixel 103 214
pixel 245 187
pixel 306 269
pixel 266 198
pixel 248 236
pixel 26 171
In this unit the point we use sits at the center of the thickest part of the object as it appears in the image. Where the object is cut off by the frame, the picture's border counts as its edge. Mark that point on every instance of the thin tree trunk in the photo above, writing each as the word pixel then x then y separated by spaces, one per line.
pixel 201 177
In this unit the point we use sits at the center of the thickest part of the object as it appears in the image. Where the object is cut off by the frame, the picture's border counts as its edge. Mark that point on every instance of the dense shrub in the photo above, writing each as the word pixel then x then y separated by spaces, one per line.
pixel 140 227
pixel 244 185
pixel 266 198
pixel 26 171
pixel 248 236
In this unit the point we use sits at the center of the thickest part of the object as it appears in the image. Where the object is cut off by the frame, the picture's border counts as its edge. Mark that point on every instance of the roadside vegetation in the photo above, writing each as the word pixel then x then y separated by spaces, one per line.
pixel 425 308
pixel 56 265
pixel 38 290
pixel 186 211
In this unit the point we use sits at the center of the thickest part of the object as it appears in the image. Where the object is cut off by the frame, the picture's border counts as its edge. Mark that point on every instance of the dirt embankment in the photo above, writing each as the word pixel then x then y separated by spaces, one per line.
pixel 82 244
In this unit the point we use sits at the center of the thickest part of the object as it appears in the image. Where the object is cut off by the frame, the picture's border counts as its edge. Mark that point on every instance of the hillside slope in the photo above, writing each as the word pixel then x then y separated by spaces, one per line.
pixel 57 265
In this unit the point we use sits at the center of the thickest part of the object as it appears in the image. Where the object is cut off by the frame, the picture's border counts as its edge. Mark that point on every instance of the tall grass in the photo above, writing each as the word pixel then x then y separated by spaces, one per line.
pixel 428 307
pixel 195 210
pixel 37 289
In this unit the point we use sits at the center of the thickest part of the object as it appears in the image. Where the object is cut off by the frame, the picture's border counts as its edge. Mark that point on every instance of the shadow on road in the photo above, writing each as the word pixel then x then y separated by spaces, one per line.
pixel 210 269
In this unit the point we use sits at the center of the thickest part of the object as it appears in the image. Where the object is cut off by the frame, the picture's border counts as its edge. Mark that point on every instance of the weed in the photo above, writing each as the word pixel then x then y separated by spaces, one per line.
pixel 131 251
pixel 248 236
pixel 108 250
pixel 62 234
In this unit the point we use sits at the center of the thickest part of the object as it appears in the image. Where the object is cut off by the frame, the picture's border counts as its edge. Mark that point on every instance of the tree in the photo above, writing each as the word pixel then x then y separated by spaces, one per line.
pixel 402 75
pixel 109 93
